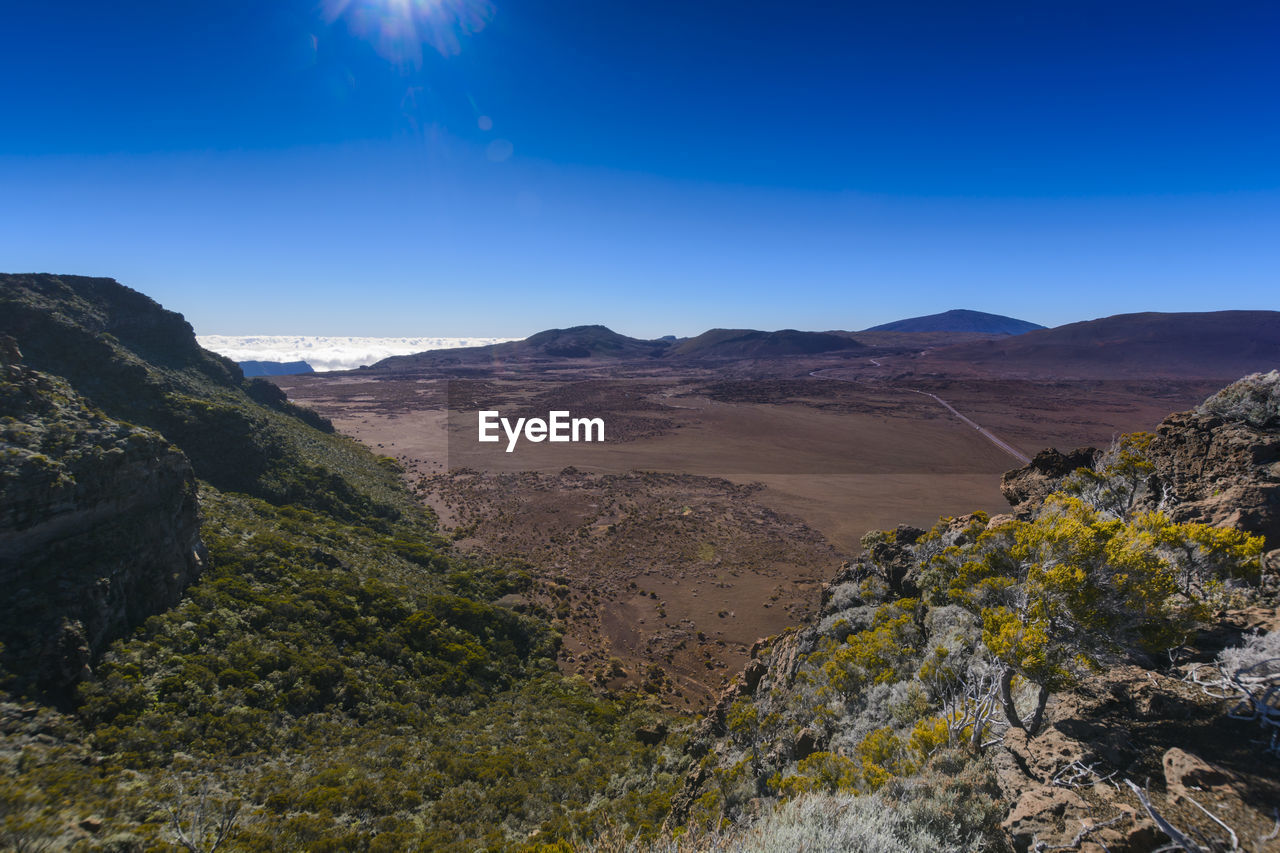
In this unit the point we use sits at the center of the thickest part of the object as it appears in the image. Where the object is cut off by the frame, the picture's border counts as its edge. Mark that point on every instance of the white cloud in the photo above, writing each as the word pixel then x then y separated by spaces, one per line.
pixel 329 353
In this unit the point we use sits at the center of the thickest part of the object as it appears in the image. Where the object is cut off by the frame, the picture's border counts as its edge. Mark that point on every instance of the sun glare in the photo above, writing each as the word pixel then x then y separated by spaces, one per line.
pixel 398 29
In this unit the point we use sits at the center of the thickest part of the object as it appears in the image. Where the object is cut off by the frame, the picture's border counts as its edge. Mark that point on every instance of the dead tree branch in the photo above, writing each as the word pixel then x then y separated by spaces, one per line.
pixel 1077 774
pixel 1235 841
pixel 1179 837
pixel 202 820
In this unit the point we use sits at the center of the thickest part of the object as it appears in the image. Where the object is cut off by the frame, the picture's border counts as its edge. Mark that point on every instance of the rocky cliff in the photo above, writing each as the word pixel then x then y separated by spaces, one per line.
pixel 140 363
pixel 98 527
pixel 111 412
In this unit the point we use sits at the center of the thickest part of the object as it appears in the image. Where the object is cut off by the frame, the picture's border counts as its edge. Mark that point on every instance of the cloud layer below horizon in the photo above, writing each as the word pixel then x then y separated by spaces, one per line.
pixel 326 352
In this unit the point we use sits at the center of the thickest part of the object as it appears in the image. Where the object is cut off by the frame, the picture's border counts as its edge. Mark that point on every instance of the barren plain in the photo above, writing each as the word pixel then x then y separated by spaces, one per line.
pixel 723 495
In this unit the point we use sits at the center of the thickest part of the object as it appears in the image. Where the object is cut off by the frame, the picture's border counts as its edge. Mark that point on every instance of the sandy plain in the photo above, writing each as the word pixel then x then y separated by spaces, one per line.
pixel 722 497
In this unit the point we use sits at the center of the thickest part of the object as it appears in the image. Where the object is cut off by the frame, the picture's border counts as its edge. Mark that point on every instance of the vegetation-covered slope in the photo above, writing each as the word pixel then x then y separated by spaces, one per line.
pixel 334 680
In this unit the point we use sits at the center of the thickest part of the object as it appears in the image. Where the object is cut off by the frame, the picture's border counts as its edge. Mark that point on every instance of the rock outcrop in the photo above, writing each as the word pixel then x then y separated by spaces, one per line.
pixel 1207 469
pixel 98 527
pixel 1026 488
pixel 1225 473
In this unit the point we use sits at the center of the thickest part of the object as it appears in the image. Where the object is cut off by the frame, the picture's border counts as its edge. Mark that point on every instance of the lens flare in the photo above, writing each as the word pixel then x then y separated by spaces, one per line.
pixel 398 29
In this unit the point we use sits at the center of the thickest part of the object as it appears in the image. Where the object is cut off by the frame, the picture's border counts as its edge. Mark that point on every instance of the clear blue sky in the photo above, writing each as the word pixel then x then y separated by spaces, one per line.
pixel 495 167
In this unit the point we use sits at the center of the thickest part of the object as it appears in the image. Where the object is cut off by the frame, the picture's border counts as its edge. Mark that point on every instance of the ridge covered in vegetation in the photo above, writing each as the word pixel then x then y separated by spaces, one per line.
pixel 334 679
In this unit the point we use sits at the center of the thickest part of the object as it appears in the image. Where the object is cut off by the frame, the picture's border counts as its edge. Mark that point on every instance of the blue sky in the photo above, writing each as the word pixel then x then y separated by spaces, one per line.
pixel 400 167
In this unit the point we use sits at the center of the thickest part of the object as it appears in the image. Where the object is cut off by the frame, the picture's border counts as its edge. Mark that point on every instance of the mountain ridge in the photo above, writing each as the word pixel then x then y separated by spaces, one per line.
pixel 1212 344
pixel 582 343
pixel 753 343
pixel 274 368
pixel 574 343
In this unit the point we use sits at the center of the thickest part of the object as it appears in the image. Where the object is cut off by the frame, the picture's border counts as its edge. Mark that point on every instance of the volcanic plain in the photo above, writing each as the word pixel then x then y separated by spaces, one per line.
pixel 726 491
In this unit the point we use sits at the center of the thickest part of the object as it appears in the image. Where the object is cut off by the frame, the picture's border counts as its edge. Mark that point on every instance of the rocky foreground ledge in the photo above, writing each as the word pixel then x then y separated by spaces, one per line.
pixel 1137 751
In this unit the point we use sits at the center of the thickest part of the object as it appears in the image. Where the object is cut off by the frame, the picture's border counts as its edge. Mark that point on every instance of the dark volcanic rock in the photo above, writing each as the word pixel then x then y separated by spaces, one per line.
pixel 1207 470
pixel 1220 472
pixel 1029 485
pixel 651 735
pixel 98 528
pixel 807 743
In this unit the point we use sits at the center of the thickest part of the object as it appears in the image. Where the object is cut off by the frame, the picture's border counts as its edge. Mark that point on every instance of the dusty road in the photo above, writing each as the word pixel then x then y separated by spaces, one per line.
pixel 986 433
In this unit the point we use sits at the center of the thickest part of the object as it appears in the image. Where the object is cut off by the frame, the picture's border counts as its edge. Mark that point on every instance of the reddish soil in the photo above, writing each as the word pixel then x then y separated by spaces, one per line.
pixel 723 495
pixel 658 580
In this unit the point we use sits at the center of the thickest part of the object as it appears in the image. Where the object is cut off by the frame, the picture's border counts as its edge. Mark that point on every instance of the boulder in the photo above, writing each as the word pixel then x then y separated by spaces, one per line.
pixel 1223 473
pixel 1026 488
pixel 1184 772
pixel 807 742
pixel 1041 814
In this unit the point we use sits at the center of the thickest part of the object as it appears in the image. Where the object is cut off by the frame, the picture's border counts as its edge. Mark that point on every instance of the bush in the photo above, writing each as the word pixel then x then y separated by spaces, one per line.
pixel 1257 649
pixel 1120 477
pixel 1254 400
pixel 822 823
pixel 1248 675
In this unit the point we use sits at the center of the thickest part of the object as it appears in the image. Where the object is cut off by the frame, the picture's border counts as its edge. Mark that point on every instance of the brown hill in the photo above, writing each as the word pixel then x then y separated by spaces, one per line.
pixel 578 343
pixel 599 343
pixel 750 343
pixel 1211 345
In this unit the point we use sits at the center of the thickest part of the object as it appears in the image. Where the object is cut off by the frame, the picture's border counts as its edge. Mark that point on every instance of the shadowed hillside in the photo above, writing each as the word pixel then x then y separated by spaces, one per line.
pixel 575 344
pixel 749 343
pixel 1215 345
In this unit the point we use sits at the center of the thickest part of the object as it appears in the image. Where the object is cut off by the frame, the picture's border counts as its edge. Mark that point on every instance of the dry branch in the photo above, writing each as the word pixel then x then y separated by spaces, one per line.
pixel 1179 837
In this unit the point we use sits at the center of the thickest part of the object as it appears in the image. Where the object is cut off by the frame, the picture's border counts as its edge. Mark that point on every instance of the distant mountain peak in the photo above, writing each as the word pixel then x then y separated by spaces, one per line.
pixel 960 320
